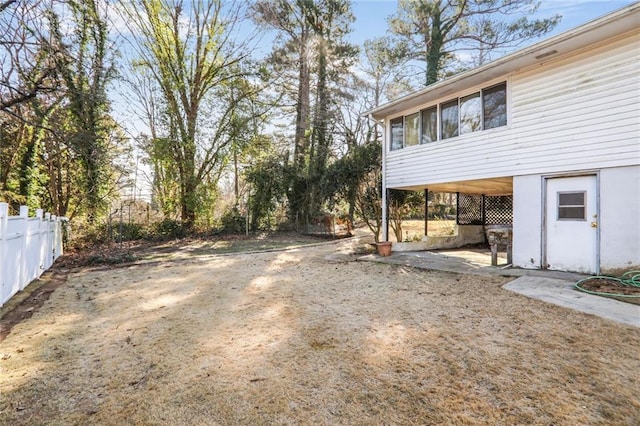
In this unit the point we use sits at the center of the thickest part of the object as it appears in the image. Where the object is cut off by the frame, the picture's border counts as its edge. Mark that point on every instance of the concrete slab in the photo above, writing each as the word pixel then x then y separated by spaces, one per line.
pixel 563 293
pixel 476 262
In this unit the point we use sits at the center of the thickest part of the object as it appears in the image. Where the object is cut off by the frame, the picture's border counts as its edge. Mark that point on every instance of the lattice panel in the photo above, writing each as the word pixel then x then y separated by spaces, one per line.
pixel 469 211
pixel 498 210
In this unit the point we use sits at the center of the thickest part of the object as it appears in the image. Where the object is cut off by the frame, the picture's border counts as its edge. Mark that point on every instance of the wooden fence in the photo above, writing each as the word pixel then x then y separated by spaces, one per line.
pixel 28 247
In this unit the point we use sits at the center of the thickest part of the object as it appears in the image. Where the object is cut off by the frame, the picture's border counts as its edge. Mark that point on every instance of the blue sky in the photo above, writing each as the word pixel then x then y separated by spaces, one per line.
pixel 371 15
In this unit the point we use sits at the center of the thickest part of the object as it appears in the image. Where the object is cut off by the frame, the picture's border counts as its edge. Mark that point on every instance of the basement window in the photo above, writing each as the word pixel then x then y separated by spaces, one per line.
pixel 571 205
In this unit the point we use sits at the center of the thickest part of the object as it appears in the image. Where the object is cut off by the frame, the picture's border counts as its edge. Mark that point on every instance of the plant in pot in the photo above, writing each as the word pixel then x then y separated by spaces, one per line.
pixel 384 248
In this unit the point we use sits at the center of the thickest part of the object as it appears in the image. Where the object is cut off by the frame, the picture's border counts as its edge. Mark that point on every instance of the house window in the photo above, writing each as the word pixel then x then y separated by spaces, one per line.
pixel 397 133
pixel 449 119
pixel 483 110
pixel 571 205
pixel 470 114
pixel 412 129
pixel 429 125
pixel 494 106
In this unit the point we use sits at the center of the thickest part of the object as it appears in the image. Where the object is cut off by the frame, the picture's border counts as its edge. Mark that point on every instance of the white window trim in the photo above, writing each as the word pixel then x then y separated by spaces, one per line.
pixel 438 102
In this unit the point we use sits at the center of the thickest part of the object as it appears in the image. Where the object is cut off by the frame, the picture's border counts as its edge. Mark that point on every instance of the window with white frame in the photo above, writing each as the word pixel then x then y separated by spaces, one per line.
pixel 429 125
pixel 397 133
pixel 494 106
pixel 572 205
pixel 449 122
pixel 482 110
pixel 412 129
pixel 470 114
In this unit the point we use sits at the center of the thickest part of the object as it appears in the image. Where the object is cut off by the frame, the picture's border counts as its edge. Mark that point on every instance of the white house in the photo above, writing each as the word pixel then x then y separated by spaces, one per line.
pixel 555 125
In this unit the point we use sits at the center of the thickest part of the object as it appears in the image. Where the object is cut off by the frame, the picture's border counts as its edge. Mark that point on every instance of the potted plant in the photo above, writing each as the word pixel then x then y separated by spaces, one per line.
pixel 384 248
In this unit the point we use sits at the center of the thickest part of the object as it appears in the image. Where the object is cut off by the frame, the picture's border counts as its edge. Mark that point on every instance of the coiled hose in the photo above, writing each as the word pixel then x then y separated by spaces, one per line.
pixel 628 279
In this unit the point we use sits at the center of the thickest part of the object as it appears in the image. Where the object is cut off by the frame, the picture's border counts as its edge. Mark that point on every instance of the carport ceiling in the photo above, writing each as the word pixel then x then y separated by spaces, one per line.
pixel 495 186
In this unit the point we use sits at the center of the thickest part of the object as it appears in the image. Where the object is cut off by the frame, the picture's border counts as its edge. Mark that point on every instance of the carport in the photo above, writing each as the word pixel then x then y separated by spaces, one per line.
pixel 484 213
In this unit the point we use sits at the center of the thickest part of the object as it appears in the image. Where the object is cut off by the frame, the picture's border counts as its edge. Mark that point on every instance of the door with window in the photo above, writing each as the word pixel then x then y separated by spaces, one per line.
pixel 572 224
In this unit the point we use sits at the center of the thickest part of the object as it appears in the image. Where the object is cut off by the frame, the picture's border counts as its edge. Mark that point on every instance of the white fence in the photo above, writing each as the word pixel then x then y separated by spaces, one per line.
pixel 28 247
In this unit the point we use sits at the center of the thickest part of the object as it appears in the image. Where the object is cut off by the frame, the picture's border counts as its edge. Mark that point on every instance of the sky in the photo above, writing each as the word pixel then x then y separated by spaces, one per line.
pixel 371 15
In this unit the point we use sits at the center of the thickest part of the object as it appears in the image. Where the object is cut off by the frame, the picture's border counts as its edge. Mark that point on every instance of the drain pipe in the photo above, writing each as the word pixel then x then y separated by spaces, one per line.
pixel 385 216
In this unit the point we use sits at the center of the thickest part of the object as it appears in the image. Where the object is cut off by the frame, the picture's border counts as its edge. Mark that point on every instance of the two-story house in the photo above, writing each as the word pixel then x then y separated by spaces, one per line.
pixel 555 126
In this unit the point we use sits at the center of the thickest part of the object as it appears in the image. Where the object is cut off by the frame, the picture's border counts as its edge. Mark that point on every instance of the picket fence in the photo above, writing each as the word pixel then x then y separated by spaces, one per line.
pixel 28 247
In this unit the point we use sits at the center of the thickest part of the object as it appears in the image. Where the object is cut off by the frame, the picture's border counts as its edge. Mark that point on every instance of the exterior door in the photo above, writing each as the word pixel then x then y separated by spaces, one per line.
pixel 572 224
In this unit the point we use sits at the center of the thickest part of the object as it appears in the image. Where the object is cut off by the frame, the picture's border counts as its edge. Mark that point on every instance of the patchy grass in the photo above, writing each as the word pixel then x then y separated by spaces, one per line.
pixel 186 248
pixel 291 337
pixel 415 229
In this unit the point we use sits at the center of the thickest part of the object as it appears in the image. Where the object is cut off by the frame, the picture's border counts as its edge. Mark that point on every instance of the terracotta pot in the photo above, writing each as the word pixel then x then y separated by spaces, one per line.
pixel 384 248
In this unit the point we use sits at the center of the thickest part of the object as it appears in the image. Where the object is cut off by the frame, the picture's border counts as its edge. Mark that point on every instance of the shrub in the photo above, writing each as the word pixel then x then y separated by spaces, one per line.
pixel 129 231
pixel 169 229
pixel 233 222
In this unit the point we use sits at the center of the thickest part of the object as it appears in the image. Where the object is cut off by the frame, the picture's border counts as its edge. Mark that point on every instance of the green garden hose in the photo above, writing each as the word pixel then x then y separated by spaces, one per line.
pixel 628 279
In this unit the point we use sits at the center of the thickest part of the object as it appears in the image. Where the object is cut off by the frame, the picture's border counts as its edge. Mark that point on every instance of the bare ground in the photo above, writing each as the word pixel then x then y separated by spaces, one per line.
pixel 309 336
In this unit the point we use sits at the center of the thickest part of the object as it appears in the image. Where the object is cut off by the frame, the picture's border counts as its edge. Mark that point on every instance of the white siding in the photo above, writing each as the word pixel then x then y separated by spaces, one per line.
pixel 618 223
pixel 577 113
pixel 619 219
pixel 527 221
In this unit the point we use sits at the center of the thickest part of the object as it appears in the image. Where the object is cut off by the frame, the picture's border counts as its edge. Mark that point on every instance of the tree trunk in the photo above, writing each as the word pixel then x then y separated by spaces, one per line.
pixel 188 204
pixel 320 139
pixel 434 49
pixel 302 105
pixel 298 192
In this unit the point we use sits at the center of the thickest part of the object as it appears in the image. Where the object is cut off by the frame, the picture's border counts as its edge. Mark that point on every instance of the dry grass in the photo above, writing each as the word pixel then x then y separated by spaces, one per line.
pixel 415 229
pixel 294 338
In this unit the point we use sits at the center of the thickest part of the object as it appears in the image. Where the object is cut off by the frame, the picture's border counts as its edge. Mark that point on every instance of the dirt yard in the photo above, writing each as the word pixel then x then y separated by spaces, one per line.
pixel 310 336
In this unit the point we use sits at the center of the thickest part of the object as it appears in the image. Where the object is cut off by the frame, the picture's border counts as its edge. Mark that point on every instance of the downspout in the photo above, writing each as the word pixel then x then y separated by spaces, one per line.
pixel 385 219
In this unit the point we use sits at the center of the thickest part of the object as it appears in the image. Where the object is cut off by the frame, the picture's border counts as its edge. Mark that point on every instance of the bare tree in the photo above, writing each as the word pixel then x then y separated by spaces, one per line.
pixel 27 55
pixel 189 51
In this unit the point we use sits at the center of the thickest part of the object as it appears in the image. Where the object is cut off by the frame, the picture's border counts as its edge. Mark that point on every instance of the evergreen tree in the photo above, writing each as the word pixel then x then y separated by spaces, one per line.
pixel 310 39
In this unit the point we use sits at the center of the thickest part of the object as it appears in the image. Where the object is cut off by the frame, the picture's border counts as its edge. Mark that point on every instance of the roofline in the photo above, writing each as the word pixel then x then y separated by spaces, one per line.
pixel 609 25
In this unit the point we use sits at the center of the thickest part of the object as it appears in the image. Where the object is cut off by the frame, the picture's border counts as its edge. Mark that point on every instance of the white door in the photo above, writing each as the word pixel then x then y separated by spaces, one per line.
pixel 572 224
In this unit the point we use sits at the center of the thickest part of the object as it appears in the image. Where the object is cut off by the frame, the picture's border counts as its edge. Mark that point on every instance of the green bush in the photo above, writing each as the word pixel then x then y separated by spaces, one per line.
pixel 129 231
pixel 233 222
pixel 169 229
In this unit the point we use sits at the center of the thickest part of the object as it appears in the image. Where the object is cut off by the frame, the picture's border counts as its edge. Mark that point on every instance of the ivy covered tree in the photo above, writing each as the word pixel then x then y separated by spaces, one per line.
pixel 310 40
pixel 437 32
pixel 86 69
pixel 57 148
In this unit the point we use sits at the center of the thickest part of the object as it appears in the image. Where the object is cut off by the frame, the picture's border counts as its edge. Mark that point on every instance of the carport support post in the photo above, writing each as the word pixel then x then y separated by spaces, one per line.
pixel 483 213
pixel 4 217
pixel 426 211
pixel 385 213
